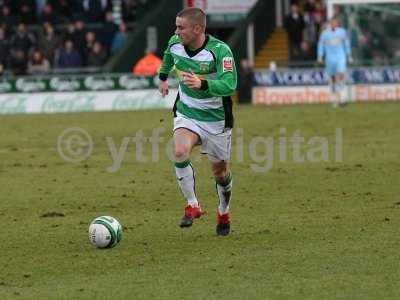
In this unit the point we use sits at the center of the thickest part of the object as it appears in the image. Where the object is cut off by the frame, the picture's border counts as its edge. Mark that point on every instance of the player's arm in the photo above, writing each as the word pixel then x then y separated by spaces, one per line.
pixel 347 47
pixel 168 61
pixel 321 47
pixel 226 81
pixel 166 67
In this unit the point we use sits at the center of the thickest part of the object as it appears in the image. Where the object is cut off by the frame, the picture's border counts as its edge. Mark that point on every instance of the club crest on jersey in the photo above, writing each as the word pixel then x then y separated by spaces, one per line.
pixel 227 64
pixel 204 67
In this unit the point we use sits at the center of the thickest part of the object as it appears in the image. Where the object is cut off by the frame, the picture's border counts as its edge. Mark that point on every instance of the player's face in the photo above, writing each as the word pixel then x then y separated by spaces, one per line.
pixel 334 23
pixel 186 32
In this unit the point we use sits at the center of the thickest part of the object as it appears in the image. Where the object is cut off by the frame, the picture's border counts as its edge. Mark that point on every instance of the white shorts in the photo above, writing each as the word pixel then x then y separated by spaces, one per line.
pixel 216 146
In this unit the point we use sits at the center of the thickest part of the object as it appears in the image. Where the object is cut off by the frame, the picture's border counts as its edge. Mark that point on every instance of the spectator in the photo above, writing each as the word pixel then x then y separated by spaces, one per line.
pixel 7 18
pixel 62 8
pixel 90 39
pixel 26 11
pixel 95 9
pixel 18 62
pixel 97 56
pixel 245 83
pixel 48 42
pixel 309 7
pixel 5 2
pixel 22 39
pixel 38 64
pixel 319 15
pixel 76 7
pixel 79 36
pixel 109 29
pixel 68 57
pixel 48 15
pixel 119 39
pixel 68 34
pixel 314 16
pixel 148 65
pixel 4 47
pixel 129 8
pixel 40 4
pixel 294 24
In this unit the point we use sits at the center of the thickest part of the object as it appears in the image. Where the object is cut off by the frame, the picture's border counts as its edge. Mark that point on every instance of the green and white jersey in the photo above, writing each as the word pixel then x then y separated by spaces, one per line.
pixel 211 106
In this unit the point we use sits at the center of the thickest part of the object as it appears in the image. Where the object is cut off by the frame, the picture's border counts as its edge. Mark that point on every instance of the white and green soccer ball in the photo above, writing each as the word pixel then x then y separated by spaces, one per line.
pixel 105 232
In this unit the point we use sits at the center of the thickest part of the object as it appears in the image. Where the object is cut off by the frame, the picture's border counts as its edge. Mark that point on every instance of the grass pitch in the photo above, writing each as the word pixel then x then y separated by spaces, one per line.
pixel 301 230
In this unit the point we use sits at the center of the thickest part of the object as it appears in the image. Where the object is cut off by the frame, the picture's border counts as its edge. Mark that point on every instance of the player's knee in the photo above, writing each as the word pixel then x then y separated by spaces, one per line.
pixel 181 152
pixel 220 172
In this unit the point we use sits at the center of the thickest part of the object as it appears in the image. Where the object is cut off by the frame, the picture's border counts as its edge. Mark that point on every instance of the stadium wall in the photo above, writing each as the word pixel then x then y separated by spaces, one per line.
pixel 64 94
pixel 301 86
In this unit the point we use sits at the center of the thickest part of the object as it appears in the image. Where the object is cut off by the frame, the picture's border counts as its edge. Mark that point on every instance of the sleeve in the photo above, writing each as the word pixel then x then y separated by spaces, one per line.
pixel 167 62
pixel 226 81
pixel 321 46
pixel 347 46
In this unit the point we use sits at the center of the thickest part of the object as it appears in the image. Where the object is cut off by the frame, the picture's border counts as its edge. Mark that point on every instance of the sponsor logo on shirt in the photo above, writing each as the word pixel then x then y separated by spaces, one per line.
pixel 227 64
pixel 204 67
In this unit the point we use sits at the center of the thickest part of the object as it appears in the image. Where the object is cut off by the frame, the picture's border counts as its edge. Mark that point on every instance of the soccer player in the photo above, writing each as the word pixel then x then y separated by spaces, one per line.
pixel 202 110
pixel 334 48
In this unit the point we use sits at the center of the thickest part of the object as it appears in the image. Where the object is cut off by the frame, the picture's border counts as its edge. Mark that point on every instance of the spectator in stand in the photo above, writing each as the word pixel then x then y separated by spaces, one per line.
pixel 109 29
pixel 314 17
pixel 119 39
pixel 309 7
pixel 68 34
pixel 148 65
pixel 319 16
pixel 62 8
pixel 48 42
pixel 18 62
pixel 22 39
pixel 94 10
pixel 40 4
pixel 68 57
pixel 4 47
pixel 7 18
pixel 38 64
pixel 79 36
pixel 97 56
pixel 48 15
pixel 129 8
pixel 294 24
pixel 5 2
pixel 90 39
pixel 310 32
pixel 26 11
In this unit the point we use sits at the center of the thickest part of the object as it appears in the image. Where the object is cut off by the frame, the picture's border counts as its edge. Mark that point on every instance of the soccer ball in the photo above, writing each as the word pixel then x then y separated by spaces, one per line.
pixel 105 232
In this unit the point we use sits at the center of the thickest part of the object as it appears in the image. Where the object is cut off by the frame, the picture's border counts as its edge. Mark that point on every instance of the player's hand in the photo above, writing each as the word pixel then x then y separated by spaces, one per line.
pixel 350 60
pixel 320 61
pixel 163 87
pixel 191 80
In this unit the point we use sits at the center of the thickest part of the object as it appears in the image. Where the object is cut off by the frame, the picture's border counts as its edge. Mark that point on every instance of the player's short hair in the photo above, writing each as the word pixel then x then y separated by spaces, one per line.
pixel 195 15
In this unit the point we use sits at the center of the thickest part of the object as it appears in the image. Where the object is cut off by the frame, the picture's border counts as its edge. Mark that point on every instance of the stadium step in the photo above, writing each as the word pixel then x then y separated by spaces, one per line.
pixel 275 49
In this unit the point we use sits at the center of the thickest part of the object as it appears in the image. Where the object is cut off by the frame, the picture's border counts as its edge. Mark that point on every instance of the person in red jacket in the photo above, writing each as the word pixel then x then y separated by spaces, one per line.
pixel 148 65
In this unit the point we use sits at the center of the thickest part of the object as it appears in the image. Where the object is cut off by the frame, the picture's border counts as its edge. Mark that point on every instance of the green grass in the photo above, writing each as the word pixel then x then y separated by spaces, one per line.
pixel 312 230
